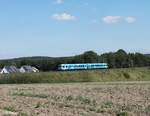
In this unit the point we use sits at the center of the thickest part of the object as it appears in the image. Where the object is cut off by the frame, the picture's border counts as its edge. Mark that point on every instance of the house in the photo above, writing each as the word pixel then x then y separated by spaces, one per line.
pixel 28 69
pixel 9 70
pixel 35 69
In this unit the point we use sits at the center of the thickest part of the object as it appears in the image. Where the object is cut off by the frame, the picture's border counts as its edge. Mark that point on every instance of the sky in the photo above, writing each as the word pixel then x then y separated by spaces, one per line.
pixel 69 27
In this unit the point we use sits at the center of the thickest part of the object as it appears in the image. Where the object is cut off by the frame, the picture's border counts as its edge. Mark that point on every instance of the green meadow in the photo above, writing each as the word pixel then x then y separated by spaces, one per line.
pixel 126 74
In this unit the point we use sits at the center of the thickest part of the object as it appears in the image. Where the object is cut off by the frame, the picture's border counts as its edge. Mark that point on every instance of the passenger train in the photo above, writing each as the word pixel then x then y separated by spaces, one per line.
pixel 87 66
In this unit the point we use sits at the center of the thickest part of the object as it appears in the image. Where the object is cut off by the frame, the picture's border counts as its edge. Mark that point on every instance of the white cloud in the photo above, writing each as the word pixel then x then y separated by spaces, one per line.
pixel 112 19
pixel 94 21
pixel 130 19
pixel 64 17
pixel 86 4
pixel 59 1
pixel 117 19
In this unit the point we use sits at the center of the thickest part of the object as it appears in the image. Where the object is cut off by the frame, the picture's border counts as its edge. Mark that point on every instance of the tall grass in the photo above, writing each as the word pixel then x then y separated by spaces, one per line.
pixel 131 74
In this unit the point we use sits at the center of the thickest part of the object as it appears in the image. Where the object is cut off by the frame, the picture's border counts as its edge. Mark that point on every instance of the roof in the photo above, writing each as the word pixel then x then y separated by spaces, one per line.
pixel 35 69
pixel 11 69
pixel 85 64
pixel 28 68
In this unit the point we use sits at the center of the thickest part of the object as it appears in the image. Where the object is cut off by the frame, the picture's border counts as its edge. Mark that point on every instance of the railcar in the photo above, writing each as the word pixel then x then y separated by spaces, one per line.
pixel 87 66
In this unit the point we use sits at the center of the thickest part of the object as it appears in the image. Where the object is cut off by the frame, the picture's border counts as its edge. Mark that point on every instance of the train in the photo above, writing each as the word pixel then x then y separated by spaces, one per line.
pixel 85 66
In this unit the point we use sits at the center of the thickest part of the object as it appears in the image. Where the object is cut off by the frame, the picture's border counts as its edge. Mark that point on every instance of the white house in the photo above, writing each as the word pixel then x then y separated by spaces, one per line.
pixel 9 69
pixel 28 69
pixel 35 69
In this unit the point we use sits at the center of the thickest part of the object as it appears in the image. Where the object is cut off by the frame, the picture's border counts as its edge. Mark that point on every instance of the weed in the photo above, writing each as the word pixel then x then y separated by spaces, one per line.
pixel 56 98
pixel 22 114
pixel 147 109
pixel 10 108
pixel 100 111
pixel 94 102
pixel 83 100
pixel 30 95
pixel 69 98
pixel 38 105
pixel 122 114
pixel 68 105
pixel 107 104
pixel 92 109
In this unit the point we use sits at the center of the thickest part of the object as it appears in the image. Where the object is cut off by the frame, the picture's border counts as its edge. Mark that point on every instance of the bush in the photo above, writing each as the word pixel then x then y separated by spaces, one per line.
pixel 126 75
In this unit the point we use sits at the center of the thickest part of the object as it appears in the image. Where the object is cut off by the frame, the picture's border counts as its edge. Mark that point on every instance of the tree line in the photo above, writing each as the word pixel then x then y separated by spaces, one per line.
pixel 119 59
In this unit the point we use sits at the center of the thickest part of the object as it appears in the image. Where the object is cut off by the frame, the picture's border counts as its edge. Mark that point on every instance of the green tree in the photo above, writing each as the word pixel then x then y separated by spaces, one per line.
pixel 121 59
pixel 90 57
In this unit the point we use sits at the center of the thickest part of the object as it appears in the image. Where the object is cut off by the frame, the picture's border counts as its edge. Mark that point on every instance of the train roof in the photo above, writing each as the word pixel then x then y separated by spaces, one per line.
pixel 86 64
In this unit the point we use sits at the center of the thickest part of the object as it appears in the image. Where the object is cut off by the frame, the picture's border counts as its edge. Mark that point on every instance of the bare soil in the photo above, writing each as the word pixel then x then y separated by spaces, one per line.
pixel 76 99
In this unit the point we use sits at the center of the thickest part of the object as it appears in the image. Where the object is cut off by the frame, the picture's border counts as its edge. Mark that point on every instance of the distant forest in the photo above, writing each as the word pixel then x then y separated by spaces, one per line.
pixel 119 59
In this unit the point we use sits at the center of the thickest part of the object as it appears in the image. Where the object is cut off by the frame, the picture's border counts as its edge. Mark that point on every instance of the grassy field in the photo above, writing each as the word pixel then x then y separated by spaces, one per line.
pixel 131 74
pixel 76 99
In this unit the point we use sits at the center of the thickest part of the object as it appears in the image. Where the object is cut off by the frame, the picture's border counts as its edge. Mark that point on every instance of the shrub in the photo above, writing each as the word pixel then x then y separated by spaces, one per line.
pixel 126 75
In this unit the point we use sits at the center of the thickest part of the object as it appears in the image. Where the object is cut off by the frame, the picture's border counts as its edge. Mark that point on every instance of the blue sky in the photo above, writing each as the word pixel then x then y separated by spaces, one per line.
pixel 70 27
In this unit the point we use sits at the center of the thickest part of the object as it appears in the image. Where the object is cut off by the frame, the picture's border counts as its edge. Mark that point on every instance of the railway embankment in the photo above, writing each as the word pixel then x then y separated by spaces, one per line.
pixel 109 75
